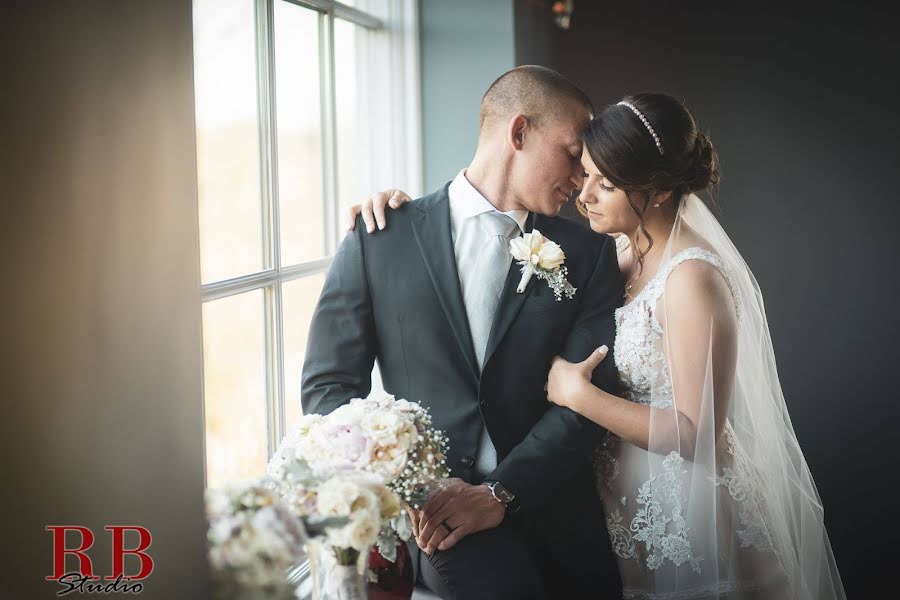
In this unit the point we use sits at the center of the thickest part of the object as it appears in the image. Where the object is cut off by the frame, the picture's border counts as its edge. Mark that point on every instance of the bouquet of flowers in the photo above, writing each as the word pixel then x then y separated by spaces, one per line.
pixel 367 456
pixel 254 540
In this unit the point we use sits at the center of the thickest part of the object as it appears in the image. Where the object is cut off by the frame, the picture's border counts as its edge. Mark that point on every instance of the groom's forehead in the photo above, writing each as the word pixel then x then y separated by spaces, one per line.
pixel 568 128
pixel 567 133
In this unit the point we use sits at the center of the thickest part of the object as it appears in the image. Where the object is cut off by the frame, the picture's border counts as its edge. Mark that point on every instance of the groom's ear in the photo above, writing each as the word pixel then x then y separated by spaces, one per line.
pixel 518 127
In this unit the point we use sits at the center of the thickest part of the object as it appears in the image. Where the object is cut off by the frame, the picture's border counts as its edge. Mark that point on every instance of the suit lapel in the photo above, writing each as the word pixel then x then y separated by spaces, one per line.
pixel 431 226
pixel 510 301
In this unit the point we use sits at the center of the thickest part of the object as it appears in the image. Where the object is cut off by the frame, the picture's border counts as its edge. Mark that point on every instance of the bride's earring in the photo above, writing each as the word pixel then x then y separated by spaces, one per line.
pixel 656 205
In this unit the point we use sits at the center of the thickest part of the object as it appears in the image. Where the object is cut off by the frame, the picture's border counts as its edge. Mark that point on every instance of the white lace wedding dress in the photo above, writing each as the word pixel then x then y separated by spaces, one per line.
pixel 718 520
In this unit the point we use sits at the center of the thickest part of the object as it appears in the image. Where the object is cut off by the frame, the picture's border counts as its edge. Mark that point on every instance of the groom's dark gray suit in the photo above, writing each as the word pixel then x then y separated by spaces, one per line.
pixel 395 297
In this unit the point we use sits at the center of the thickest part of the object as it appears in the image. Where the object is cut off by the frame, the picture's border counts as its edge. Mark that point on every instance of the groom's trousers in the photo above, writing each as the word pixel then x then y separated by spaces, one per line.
pixel 527 558
pixel 495 564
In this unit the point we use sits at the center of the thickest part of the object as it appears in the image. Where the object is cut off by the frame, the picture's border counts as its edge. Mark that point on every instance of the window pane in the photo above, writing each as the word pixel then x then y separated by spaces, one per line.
pixel 299 133
pixel 363 102
pixel 227 139
pixel 299 298
pixel 351 160
pixel 234 387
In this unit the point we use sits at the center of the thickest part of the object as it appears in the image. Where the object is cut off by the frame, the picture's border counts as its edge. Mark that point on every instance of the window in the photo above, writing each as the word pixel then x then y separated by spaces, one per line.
pixel 302 108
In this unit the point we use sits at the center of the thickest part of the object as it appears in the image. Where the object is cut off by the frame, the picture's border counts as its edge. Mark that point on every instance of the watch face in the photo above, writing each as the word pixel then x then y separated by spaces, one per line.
pixel 502 494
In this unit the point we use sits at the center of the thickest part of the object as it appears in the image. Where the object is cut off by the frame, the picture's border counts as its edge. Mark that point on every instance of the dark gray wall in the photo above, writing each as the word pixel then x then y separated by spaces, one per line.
pixel 801 103
pixel 100 353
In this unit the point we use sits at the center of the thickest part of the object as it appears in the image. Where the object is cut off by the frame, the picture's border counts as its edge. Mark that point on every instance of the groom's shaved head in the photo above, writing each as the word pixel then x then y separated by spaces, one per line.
pixel 541 94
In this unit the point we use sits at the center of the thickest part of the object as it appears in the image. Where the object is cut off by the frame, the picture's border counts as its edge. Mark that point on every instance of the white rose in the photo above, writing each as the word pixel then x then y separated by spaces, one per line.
pixel 363 531
pixel 381 398
pixel 382 426
pixel 537 250
pixel 388 462
pixel 408 436
pixel 388 501
pixel 550 256
pixel 520 249
pixel 360 533
pixel 350 414
pixel 366 501
pixel 335 498
pixel 347 496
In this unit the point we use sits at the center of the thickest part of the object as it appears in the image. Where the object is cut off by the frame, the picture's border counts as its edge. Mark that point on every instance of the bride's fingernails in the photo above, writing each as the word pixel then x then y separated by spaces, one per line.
pixel 380 224
pixel 603 349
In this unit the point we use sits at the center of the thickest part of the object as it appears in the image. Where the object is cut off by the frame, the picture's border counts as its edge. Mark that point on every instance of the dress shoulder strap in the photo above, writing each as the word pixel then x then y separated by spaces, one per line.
pixel 693 253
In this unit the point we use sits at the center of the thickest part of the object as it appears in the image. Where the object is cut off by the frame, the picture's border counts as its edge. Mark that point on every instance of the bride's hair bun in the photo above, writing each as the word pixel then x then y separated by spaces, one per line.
pixel 650 142
pixel 703 164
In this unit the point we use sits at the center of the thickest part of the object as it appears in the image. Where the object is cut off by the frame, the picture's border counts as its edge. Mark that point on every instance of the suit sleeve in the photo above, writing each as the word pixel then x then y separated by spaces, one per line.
pixel 340 350
pixel 560 442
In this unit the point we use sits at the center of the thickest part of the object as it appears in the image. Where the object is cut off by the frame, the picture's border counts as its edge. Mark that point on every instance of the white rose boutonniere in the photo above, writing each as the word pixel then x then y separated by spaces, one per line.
pixel 542 257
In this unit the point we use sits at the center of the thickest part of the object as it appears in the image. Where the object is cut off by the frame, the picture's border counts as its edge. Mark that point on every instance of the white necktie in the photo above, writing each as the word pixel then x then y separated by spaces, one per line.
pixel 484 285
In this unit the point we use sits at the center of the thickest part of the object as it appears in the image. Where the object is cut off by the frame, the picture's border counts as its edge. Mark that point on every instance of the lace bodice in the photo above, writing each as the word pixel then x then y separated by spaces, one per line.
pixel 637 351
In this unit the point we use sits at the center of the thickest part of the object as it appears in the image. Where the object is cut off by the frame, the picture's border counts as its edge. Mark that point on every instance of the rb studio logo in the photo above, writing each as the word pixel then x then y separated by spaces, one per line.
pixel 83 580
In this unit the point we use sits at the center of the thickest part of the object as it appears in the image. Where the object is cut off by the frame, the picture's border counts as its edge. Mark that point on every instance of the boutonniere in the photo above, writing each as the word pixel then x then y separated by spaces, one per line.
pixel 539 256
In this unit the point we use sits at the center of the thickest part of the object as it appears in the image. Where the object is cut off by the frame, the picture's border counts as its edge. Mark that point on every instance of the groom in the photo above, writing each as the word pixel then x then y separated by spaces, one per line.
pixel 433 298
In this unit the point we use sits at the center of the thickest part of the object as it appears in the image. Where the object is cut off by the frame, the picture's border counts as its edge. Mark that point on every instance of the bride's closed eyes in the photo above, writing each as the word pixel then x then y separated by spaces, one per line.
pixel 604 187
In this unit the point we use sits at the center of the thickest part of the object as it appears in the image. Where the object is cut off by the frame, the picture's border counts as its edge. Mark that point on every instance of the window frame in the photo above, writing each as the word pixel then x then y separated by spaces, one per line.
pixel 404 166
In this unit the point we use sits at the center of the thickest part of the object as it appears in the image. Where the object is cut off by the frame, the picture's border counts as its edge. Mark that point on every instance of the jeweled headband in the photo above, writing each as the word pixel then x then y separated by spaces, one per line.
pixel 646 123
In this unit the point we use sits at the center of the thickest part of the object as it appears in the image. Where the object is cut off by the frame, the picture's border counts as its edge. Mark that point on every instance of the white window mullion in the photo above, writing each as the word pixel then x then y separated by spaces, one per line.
pixel 274 367
pixel 280 420
pixel 265 60
pixel 329 131
pixel 268 156
pixel 271 378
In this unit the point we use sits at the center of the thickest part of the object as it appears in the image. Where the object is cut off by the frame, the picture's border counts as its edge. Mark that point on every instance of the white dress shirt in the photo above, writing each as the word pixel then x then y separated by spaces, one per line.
pixel 467 202
pixel 468 240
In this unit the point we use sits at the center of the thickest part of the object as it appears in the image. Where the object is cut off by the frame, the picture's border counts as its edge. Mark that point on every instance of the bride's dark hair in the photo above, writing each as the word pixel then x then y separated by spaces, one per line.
pixel 624 150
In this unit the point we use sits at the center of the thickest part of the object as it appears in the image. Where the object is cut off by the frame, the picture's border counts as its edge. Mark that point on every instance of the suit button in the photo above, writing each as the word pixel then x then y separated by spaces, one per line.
pixel 467 461
pixel 483 403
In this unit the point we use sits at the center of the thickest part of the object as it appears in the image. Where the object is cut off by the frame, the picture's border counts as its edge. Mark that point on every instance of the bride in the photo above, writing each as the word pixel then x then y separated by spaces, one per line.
pixel 704 486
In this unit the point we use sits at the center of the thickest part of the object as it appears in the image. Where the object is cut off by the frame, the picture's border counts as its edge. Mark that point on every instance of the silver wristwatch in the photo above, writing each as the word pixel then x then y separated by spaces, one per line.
pixel 502 495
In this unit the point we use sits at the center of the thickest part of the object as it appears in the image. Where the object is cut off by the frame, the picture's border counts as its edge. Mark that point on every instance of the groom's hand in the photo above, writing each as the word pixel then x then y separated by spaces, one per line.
pixel 456 511
pixel 414 517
